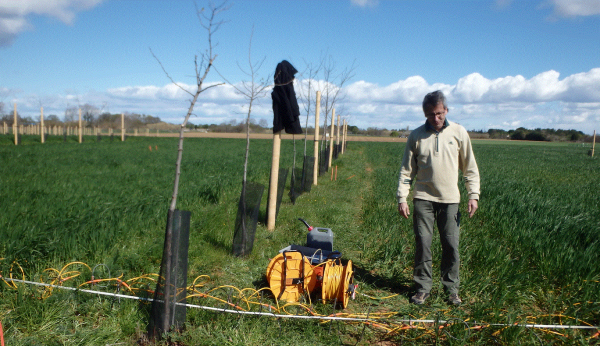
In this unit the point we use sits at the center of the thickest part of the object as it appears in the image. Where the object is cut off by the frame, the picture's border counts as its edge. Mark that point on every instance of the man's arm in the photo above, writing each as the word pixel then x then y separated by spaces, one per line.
pixel 408 170
pixel 468 166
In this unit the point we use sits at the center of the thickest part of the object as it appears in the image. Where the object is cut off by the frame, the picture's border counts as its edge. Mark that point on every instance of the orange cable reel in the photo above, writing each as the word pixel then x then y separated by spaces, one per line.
pixel 290 275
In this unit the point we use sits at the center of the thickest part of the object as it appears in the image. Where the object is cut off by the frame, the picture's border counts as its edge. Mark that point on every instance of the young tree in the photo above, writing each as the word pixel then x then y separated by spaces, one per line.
pixel 208 20
pixel 252 90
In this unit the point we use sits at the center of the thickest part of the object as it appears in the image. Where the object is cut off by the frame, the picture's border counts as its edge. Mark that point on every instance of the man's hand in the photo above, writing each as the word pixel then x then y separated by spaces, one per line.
pixel 472 207
pixel 405 211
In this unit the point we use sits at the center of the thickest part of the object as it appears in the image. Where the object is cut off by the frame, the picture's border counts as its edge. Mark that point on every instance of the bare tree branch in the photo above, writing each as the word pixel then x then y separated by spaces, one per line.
pixel 167 73
pixel 212 86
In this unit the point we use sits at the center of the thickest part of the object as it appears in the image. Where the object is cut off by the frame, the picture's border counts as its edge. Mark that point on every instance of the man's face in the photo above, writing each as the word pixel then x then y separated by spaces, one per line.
pixel 436 116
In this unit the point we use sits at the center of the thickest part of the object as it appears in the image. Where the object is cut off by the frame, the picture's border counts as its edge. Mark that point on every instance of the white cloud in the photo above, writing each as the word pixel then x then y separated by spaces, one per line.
pixel 176 92
pixel 14 13
pixel 475 88
pixel 481 103
pixel 575 8
pixel 545 100
pixel 471 88
pixel 582 87
pixel 410 90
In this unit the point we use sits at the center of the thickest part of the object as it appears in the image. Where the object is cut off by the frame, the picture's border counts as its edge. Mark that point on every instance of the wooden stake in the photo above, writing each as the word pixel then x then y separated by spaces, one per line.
pixel 593 143
pixel 344 136
pixel 272 207
pixel 316 166
pixel 331 139
pixel 335 172
pixel 42 124
pixel 122 127
pixel 16 126
pixel 337 132
pixel 80 128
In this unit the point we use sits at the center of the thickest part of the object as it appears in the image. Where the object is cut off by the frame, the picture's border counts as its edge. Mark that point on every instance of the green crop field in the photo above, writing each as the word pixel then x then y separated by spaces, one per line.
pixel 68 211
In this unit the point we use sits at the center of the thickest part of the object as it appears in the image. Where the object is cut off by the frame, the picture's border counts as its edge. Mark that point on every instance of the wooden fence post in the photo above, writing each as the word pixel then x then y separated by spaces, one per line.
pixel 316 165
pixel 16 126
pixel 331 139
pixel 80 128
pixel 343 135
pixel 337 132
pixel 122 127
pixel 593 143
pixel 272 207
pixel 42 124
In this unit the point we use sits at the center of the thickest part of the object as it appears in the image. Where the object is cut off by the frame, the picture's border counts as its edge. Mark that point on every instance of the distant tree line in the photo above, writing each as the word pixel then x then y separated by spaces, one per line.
pixel 548 135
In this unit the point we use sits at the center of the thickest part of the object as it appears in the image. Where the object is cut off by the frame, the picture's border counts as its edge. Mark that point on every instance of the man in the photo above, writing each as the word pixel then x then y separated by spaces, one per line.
pixel 434 154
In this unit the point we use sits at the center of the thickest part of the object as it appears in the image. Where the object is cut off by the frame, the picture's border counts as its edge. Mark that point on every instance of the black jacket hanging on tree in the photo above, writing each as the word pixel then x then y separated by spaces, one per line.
pixel 286 112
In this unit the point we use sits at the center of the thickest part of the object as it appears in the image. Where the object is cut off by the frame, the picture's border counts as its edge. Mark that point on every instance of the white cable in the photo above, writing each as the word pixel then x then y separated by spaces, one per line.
pixel 539 326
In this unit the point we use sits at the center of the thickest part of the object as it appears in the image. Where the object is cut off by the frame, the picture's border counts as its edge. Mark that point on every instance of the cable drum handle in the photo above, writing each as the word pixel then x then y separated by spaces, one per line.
pixel 306 223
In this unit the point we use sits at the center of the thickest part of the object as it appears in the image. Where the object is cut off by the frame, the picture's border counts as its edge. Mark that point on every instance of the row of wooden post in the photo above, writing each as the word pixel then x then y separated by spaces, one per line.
pixel 272 207
pixel 57 130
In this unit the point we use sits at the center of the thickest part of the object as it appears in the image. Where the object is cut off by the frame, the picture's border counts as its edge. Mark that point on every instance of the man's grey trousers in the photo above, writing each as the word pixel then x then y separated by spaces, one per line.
pixel 448 223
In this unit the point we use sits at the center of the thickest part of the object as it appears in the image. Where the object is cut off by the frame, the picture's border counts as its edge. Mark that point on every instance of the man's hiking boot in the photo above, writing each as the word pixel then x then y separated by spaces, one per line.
pixel 454 299
pixel 419 298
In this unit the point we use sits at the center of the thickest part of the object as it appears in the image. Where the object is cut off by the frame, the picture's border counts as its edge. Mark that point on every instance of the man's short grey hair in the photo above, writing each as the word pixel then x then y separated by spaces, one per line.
pixel 433 98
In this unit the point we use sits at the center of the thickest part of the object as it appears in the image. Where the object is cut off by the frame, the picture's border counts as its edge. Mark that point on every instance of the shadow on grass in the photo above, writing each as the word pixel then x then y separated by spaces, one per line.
pixel 262 216
pixel 261 282
pixel 402 286
pixel 217 243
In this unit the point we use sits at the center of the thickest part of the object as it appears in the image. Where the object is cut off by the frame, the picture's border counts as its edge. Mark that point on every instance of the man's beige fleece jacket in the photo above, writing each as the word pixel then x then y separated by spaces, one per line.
pixel 435 158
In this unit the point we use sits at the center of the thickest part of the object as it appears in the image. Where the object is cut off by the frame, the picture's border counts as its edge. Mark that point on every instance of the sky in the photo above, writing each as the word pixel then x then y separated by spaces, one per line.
pixel 502 64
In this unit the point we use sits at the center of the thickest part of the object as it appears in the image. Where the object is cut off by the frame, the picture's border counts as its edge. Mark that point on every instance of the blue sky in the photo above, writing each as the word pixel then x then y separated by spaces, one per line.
pixel 502 64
